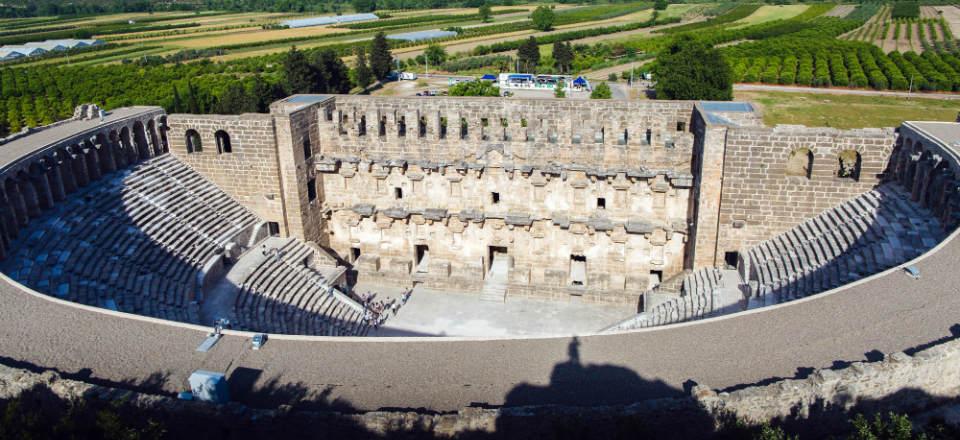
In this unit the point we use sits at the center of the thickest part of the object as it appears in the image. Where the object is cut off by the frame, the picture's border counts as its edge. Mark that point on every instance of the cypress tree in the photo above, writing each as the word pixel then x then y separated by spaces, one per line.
pixel 529 55
pixel 177 105
pixel 381 60
pixel 362 71
pixel 298 75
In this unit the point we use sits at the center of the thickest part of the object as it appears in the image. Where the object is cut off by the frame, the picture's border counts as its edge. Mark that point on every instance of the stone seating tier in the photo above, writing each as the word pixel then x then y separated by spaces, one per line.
pixel 134 240
pixel 283 295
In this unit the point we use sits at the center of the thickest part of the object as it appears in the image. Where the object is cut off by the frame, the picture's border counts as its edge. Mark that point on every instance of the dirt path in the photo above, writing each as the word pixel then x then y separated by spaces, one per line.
pixel 839 91
pixel 952 15
pixel 840 11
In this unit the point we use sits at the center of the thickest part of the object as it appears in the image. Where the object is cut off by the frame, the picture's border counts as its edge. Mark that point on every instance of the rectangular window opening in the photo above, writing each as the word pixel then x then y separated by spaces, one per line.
pixel 312 189
pixel 731 259
pixel 495 198
pixel 601 203
pixel 398 193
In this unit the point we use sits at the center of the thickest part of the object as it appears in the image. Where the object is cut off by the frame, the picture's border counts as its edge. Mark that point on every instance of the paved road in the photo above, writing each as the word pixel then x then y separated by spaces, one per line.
pixel 836 91
pixel 887 314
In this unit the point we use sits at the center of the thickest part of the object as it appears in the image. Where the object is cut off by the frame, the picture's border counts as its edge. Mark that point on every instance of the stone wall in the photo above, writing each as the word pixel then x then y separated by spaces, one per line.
pixel 533 132
pixel 818 405
pixel 538 191
pixel 249 172
pixel 759 198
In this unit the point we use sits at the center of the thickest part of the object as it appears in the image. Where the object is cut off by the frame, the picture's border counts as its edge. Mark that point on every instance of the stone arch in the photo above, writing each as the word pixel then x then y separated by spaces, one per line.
pixel 17 204
pixel 140 141
pixel 8 216
pixel 78 162
pixel 92 160
pixel 128 148
pixel 222 138
pixel 800 163
pixel 849 163
pixel 193 141
pixel 932 195
pixel 107 160
pixel 65 162
pixel 154 140
pixel 163 134
pixel 41 185
pixel 52 168
pixel 119 155
pixel 29 193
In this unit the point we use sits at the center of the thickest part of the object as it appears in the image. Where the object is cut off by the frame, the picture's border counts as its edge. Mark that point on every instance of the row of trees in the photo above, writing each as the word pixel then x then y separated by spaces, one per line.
pixel 38 95
pixel 846 66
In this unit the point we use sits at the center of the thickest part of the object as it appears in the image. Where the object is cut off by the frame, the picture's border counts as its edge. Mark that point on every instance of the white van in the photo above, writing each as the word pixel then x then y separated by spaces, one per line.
pixel 408 76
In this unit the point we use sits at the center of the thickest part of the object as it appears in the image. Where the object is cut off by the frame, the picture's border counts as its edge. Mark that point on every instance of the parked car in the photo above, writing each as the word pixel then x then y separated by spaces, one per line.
pixel 409 76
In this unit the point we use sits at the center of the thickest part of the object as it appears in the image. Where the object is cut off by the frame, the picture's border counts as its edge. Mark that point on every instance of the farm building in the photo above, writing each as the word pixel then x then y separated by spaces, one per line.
pixel 330 19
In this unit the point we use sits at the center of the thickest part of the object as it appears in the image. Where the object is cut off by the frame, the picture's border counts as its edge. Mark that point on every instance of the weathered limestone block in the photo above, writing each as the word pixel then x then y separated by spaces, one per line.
pixel 399 266
pixel 555 277
pixel 368 263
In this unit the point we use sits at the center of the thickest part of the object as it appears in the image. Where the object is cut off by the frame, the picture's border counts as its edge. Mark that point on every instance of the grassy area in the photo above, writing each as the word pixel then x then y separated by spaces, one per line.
pixel 770 13
pixel 848 111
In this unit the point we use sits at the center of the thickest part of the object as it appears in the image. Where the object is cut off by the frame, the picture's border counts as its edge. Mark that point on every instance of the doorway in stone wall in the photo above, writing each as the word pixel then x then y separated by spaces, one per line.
pixel 422 258
pixel 578 270
pixel 497 259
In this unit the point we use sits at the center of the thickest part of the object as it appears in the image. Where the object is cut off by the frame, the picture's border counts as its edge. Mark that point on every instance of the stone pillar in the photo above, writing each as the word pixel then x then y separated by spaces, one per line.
pixel 107 162
pixel 706 197
pixel 29 194
pixel 38 178
pixel 56 182
pixel 65 165
pixel 92 164
pixel 17 204
pixel 79 165
pixel 118 153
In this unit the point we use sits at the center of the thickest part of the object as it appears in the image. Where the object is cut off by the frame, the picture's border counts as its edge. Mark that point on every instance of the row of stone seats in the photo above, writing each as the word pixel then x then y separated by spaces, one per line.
pixel 283 295
pixel 701 282
pixel 696 301
pixel 860 237
pixel 133 241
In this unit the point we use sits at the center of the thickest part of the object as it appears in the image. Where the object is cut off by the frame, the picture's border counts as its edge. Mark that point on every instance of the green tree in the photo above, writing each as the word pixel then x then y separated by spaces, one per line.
pixel 435 54
pixel 892 427
pixel 660 5
pixel 176 106
pixel 262 94
pixel 361 72
pixel 562 56
pixel 543 18
pixel 485 13
pixel 601 91
pixel 193 101
pixel 692 69
pixel 381 60
pixel 233 100
pixel 332 76
pixel 13 118
pixel 298 75
pixel 529 55
pixel 558 91
pixel 475 88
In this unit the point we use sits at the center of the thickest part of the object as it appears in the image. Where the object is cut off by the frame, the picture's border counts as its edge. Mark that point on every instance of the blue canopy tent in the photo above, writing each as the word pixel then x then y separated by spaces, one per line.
pixel 488 77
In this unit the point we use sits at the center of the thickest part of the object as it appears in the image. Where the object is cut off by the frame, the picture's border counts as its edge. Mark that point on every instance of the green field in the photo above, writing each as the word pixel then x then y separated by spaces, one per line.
pixel 848 111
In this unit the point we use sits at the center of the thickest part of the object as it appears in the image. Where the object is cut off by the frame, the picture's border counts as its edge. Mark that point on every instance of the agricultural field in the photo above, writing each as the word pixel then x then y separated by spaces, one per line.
pixel 907 29
pixel 208 61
